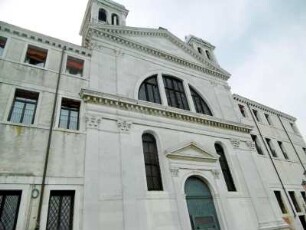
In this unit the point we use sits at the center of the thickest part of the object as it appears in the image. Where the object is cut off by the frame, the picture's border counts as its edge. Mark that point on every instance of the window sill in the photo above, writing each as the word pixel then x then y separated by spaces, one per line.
pixel 23 125
pixel 75 76
pixel 34 66
pixel 152 195
pixel 68 130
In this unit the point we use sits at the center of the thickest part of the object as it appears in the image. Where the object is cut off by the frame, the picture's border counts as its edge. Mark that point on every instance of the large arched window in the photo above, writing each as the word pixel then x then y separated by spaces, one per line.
pixel 199 104
pixel 225 169
pixel 153 175
pixel 102 15
pixel 149 91
pixel 115 20
pixel 175 92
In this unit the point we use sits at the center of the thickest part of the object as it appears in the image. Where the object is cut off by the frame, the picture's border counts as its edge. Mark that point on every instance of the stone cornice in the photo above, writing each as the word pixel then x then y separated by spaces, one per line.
pixel 161 32
pixel 90 96
pixel 156 52
pixel 262 107
pixel 46 40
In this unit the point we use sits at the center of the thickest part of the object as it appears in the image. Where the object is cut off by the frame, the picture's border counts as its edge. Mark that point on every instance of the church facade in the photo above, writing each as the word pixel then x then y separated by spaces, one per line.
pixel 138 130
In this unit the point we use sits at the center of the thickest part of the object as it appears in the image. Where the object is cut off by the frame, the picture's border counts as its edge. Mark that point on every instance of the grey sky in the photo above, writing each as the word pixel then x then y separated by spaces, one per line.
pixel 261 43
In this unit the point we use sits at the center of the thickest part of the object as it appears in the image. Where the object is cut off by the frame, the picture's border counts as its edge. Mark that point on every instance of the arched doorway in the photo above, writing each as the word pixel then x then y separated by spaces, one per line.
pixel 201 206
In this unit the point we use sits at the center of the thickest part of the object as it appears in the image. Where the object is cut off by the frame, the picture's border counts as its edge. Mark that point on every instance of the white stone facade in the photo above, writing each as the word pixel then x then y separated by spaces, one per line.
pixel 102 160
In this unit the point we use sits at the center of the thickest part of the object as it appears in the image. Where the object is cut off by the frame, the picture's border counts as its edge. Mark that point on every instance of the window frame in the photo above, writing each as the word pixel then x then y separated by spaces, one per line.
pixel 268 119
pixel 144 86
pixel 9 117
pixel 242 110
pixel 39 48
pixel 106 14
pixel 57 124
pixel 66 62
pixel 280 201
pixel 224 165
pixel 151 186
pixel 257 146
pixel 194 94
pixel 175 92
pixel 282 148
pixel 5 46
pixel 271 147
pixel 294 201
pixel 256 115
pixel 113 16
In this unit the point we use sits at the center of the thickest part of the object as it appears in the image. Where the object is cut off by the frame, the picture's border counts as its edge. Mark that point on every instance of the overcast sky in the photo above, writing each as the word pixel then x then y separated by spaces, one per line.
pixel 262 43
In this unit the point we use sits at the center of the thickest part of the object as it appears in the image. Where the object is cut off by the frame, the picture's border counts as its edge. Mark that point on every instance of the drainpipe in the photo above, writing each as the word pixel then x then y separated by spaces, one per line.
pixel 274 166
pixel 49 143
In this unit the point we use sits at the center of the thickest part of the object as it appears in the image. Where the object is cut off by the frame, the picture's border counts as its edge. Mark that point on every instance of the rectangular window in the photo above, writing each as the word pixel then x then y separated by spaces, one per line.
pixel 9 207
pixel 74 66
pixel 60 212
pixel 69 115
pixel 268 119
pixel 281 204
pixel 271 147
pixel 258 148
pixel 304 149
pixel 294 201
pixel 293 127
pixel 24 107
pixel 256 114
pixel 36 56
pixel 242 110
pixel 304 196
pixel 2 45
pixel 281 146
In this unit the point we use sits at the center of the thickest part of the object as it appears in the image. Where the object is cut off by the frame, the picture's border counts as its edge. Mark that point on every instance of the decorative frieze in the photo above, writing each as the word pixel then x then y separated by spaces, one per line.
pixel 93 121
pixel 90 96
pixel 124 126
pixel 235 143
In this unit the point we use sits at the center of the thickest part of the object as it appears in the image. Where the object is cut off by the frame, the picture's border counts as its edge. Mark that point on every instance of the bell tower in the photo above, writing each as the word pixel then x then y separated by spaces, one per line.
pixel 103 12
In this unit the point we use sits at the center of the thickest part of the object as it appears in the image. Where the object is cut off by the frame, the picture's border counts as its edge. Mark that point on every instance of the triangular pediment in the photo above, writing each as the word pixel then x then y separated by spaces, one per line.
pixel 165 43
pixel 191 151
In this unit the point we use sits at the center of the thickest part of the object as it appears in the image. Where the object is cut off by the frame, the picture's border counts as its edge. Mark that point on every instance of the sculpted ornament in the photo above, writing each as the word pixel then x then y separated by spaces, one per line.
pixel 250 144
pixel 124 125
pixel 93 121
pixel 174 172
pixel 235 143
pixel 216 173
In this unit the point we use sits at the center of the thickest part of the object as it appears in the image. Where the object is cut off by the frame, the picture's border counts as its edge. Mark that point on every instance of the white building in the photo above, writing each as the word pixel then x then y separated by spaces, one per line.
pixel 137 130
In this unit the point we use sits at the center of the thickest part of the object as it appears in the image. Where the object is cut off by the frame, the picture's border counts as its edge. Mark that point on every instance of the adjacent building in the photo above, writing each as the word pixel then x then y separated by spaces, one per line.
pixel 138 130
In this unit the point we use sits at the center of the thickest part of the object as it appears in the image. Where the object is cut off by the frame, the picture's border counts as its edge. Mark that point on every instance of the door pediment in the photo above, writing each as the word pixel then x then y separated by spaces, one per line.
pixel 191 151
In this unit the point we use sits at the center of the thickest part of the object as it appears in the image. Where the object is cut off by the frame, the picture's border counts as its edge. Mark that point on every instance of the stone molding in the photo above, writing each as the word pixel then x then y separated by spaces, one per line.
pixel 235 143
pixel 17 31
pixel 124 126
pixel 255 104
pixel 127 104
pixel 250 144
pixel 155 52
pixel 93 121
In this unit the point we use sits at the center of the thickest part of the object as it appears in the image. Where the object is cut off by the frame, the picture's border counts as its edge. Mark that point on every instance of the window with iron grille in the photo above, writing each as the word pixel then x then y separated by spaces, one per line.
pixel 175 93
pixel 24 107
pixel 60 212
pixel 294 201
pixel 225 169
pixel 281 146
pixel 2 45
pixel 9 207
pixel 36 56
pixel 257 146
pixel 199 104
pixel 271 147
pixel 150 153
pixel 69 115
pixel 74 66
pixel 149 91
pixel 280 201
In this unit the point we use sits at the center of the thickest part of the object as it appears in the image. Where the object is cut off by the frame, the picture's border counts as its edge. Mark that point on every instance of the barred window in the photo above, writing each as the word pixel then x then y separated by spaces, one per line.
pixel 9 207
pixel 69 116
pixel 102 15
pixel 60 213
pixel 36 56
pixel 24 107
pixel 74 66
pixel 149 91
pixel 199 103
pixel 153 174
pixel 115 20
pixel 175 92
pixel 2 44
pixel 225 169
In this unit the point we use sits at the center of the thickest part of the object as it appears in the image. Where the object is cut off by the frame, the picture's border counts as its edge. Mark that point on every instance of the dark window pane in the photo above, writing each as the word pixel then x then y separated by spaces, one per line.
pixel 36 56
pixel 2 44
pixel 148 91
pixel 199 104
pixel 102 15
pixel 175 93
pixel 280 201
pixel 24 107
pixel 151 162
pixel 69 115
pixel 257 146
pixel 294 201
pixel 225 169
pixel 74 66
pixel 60 213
